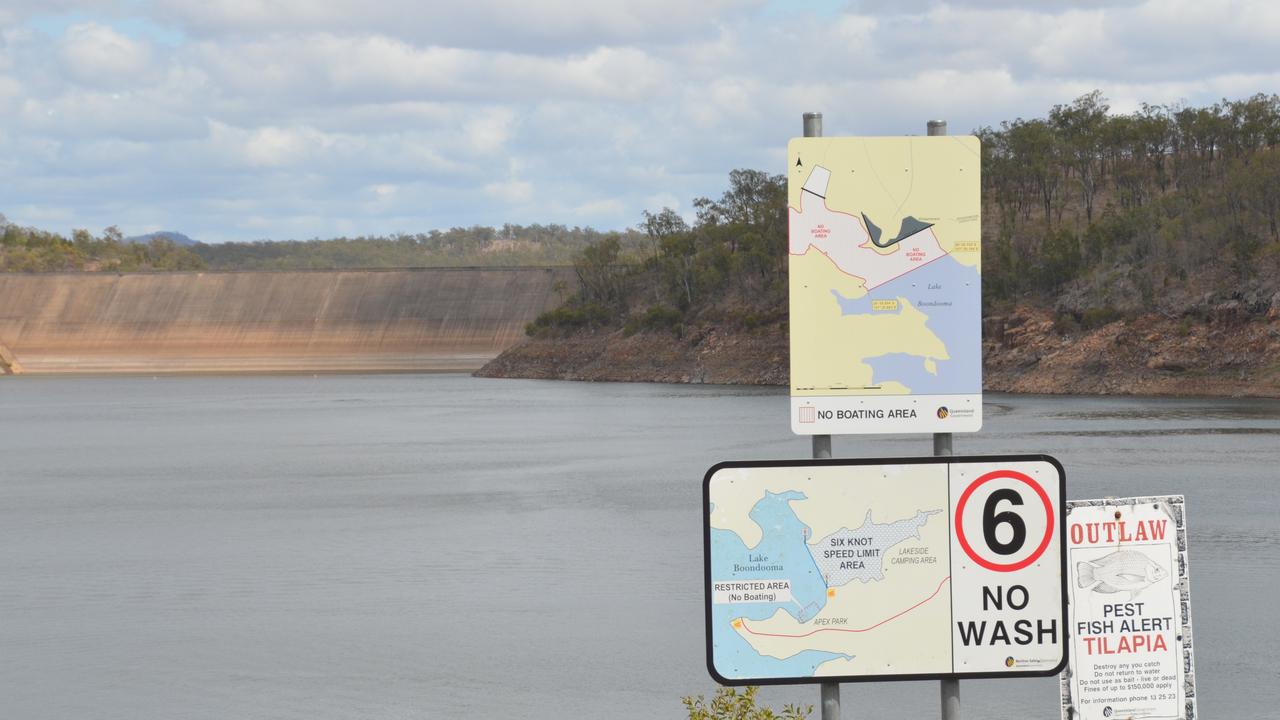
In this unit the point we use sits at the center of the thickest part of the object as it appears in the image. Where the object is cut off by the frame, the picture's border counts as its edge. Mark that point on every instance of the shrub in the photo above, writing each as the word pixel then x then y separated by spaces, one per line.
pixel 729 705
pixel 1066 324
pixel 657 317
pixel 1096 317
pixel 568 317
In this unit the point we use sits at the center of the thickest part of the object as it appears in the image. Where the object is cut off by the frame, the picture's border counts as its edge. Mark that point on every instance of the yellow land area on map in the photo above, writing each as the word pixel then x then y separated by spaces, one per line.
pixel 891 615
pixel 816 314
pixel 933 179
pixel 890 626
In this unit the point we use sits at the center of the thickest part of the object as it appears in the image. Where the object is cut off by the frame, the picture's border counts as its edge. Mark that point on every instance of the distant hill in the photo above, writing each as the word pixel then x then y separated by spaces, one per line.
pixel 176 237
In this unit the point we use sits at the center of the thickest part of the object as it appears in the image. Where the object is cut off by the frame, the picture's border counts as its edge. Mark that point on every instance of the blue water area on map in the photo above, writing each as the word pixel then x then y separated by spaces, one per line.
pixel 950 296
pixel 783 543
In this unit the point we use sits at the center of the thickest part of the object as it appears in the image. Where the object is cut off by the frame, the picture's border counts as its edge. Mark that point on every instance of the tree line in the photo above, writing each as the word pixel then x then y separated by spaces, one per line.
pixel 24 249
pixel 1083 209
pixel 1094 213
pixel 1121 208
pixel 521 245
pixel 729 265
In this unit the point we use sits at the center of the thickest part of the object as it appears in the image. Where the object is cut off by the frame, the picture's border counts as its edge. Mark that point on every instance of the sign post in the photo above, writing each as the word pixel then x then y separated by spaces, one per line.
pixel 830 692
pixel 827 571
pixel 931 318
pixel 942 447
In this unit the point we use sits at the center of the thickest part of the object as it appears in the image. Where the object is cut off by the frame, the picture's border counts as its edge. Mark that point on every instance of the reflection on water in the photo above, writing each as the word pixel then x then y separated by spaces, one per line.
pixel 442 546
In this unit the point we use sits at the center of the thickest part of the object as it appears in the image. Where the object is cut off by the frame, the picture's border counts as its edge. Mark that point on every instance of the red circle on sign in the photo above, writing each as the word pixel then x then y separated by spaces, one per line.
pixel 1048 514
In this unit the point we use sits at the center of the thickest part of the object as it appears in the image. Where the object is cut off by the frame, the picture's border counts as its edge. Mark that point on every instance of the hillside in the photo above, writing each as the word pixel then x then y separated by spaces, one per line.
pixel 1120 253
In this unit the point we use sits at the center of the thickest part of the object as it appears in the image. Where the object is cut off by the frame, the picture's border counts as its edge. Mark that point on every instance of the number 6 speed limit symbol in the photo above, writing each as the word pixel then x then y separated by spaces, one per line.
pixel 1015 522
pixel 1008 564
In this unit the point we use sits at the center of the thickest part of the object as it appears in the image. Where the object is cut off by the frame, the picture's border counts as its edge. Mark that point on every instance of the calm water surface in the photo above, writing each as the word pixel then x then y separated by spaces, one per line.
pixel 441 546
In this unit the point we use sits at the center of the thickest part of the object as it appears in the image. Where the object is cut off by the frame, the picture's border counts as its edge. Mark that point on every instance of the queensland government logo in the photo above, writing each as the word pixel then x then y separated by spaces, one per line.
pixel 943 412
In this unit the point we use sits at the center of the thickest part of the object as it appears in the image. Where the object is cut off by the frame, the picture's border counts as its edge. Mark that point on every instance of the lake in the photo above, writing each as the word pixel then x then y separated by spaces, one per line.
pixel 410 546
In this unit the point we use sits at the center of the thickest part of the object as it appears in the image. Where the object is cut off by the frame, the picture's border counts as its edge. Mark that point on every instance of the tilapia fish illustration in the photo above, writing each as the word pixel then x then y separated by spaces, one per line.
pixel 1121 571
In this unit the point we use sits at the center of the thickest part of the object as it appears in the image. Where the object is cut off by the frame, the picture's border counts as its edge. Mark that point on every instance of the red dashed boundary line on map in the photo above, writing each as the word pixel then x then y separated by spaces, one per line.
pixel 858 220
pixel 849 630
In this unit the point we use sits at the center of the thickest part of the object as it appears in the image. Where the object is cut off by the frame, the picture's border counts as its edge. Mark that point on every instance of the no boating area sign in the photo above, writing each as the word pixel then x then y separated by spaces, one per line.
pixel 888 569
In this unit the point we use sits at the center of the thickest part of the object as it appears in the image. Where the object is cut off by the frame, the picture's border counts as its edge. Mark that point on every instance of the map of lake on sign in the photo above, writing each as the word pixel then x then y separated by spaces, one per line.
pixel 895 569
pixel 885 275
pixel 864 553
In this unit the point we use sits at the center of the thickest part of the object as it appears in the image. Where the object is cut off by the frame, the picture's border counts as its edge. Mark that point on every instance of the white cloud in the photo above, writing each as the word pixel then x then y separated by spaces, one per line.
pixel 512 25
pixel 293 118
pixel 275 147
pixel 608 208
pixel 660 200
pixel 490 129
pixel 329 68
pixel 13 12
pixel 511 191
pixel 96 55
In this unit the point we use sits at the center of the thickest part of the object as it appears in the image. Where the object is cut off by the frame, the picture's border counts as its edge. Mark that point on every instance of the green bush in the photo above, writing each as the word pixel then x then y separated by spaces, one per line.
pixel 568 317
pixel 1066 324
pixel 657 317
pixel 729 705
pixel 1096 317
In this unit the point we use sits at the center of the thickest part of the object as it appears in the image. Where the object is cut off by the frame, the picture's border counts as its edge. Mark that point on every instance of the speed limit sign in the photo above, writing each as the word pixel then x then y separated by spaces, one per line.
pixel 1008 545
pixel 884 569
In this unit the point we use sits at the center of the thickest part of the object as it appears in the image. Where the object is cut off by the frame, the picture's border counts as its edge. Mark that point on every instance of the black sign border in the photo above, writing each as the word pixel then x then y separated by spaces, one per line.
pixel 928 460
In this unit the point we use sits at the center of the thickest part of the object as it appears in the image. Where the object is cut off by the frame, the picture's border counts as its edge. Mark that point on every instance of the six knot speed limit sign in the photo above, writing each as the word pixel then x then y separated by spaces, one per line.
pixel 892 569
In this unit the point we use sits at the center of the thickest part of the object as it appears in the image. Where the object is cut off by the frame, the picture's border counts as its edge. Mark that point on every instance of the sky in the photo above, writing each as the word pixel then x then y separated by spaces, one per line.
pixel 293 119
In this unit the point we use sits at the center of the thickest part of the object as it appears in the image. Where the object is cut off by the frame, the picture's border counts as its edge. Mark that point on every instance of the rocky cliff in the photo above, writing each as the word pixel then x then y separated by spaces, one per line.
pixel 1231 351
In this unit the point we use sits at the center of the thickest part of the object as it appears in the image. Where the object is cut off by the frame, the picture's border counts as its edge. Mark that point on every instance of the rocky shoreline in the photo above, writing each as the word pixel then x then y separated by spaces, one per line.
pixel 1229 353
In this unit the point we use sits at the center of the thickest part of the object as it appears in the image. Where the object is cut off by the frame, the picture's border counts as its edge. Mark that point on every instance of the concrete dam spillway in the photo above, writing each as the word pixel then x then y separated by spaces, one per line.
pixel 286 321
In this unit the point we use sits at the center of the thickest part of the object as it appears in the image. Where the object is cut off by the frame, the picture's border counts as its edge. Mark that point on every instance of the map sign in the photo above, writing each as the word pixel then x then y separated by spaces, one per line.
pixel 895 569
pixel 1129 612
pixel 885 276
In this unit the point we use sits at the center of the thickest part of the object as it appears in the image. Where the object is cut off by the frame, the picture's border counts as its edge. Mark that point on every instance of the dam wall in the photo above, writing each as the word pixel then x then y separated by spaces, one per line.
pixel 308 321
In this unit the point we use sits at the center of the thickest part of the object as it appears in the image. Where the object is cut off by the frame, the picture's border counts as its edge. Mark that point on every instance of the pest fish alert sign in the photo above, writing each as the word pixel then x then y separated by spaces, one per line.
pixel 894 569
pixel 1130 619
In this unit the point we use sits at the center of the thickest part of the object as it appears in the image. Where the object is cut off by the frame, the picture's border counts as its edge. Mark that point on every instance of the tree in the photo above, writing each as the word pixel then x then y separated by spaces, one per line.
pixel 662 225
pixel 1035 150
pixel 600 272
pixel 1079 127
pixel 755 200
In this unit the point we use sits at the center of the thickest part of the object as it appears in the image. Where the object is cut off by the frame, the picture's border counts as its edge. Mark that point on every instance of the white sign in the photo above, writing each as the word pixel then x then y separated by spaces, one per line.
pixel 885 284
pixel 1130 620
pixel 902 569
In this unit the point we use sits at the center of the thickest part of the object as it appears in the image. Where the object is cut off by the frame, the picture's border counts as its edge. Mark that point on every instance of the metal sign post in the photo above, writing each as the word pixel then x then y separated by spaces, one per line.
pixel 822 450
pixel 950 687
